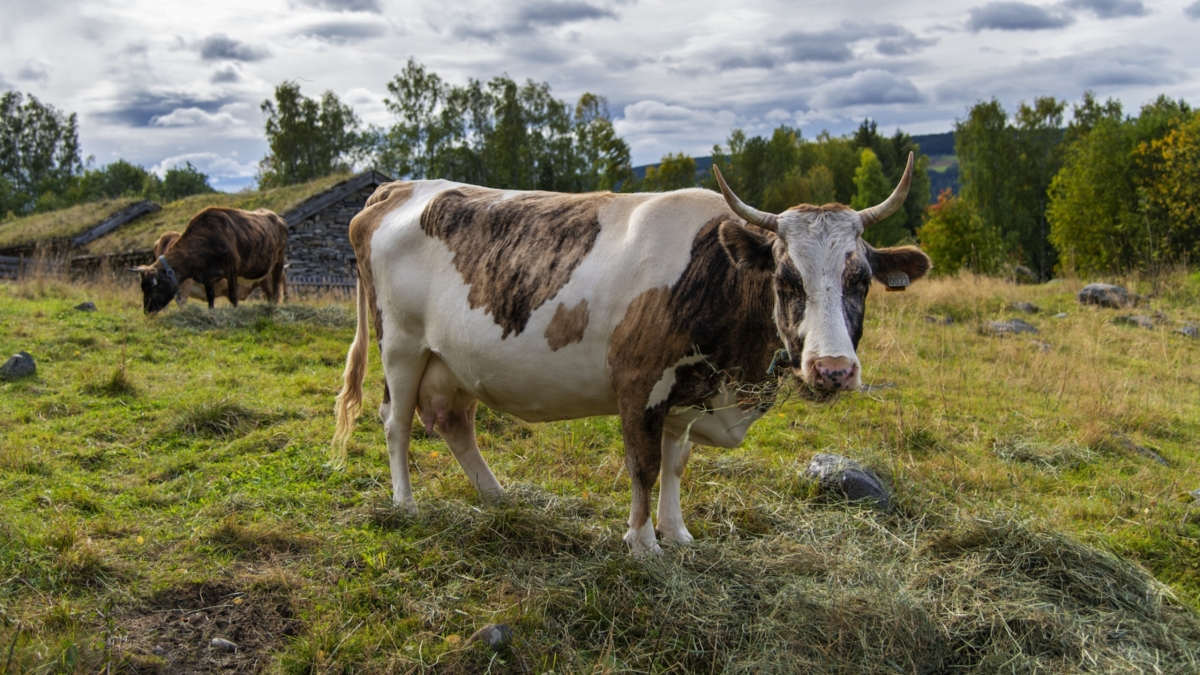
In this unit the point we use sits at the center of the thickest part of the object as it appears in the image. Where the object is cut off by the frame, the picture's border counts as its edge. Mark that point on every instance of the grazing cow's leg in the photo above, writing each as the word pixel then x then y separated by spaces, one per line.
pixel 642 432
pixel 277 281
pixel 446 407
pixel 231 276
pixel 675 454
pixel 210 292
pixel 403 368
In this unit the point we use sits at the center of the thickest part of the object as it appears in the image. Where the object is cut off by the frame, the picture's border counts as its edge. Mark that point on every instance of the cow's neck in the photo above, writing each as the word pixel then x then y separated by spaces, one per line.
pixel 178 263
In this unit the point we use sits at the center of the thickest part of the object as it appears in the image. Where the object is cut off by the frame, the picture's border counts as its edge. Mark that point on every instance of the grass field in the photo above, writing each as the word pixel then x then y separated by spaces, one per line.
pixel 163 482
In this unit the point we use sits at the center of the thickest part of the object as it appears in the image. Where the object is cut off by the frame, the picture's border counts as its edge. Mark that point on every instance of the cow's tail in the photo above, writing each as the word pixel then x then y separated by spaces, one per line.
pixel 349 401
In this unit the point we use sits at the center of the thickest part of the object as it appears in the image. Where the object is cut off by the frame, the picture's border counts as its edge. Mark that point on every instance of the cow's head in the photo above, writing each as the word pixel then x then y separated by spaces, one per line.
pixel 159 286
pixel 822 270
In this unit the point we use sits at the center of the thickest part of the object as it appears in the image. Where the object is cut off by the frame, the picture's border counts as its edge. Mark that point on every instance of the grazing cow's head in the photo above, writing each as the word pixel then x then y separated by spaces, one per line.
pixel 159 286
pixel 822 270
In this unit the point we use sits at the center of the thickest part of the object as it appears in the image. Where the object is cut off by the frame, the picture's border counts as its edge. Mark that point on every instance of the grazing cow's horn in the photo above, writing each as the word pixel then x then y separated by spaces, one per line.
pixel 767 221
pixel 876 213
pixel 141 269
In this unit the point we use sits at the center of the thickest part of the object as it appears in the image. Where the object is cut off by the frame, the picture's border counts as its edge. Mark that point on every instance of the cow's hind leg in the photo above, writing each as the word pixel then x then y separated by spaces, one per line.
pixel 642 432
pixel 277 291
pixel 446 407
pixel 675 455
pixel 402 368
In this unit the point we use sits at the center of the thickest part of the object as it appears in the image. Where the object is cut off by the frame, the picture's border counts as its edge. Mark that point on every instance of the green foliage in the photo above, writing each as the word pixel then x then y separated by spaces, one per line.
pixel 39 152
pixel 957 239
pixel 872 188
pixel 1120 201
pixel 308 138
pixel 500 134
pixel 674 172
pixel 184 181
pixel 1006 170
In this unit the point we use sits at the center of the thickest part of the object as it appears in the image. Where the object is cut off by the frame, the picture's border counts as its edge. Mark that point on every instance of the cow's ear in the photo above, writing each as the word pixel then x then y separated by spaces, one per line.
pixel 748 247
pixel 888 265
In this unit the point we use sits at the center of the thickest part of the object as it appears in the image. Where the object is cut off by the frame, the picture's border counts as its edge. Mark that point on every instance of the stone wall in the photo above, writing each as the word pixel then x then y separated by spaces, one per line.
pixel 320 245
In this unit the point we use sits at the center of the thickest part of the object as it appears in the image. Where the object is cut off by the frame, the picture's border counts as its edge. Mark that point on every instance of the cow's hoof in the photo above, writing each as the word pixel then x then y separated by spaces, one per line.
pixel 642 541
pixel 675 535
pixel 406 506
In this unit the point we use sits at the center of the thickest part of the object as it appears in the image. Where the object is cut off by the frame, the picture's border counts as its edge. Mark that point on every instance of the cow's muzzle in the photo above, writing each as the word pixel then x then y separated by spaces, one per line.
pixel 833 373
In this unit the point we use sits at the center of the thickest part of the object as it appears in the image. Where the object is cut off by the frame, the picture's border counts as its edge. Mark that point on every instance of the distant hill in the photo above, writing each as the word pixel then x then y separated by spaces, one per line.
pixel 943 165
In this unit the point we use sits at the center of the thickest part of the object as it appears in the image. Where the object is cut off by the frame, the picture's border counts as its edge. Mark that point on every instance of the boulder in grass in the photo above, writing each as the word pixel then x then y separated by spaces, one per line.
pixel 1189 330
pixel 1027 307
pixel 1105 295
pixel 20 365
pixel 1139 320
pixel 88 306
pixel 848 478
pixel 1010 327
pixel 495 635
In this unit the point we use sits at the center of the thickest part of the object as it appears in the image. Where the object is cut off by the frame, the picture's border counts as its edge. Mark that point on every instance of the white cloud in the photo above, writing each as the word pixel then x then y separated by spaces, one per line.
pixel 866 88
pixel 220 170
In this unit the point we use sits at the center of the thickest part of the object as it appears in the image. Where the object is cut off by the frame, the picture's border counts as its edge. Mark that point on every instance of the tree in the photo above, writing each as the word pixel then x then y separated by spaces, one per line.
pixel 674 172
pixel 39 152
pixel 185 181
pixel 957 239
pixel 308 139
pixel 605 157
pixel 874 188
pixel 1175 190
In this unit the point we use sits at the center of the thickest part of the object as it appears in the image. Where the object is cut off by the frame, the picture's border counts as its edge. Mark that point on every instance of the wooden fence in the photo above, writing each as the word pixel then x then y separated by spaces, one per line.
pixel 312 284
pixel 20 266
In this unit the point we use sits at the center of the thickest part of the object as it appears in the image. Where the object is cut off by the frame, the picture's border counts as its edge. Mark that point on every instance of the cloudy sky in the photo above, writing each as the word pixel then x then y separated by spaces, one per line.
pixel 160 82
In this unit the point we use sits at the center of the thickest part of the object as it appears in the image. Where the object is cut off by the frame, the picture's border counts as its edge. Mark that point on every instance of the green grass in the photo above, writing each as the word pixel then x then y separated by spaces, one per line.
pixel 56 224
pixel 163 481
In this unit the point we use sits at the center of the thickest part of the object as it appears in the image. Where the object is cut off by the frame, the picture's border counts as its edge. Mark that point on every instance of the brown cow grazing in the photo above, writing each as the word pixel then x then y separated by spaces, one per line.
pixel 219 245
pixel 188 289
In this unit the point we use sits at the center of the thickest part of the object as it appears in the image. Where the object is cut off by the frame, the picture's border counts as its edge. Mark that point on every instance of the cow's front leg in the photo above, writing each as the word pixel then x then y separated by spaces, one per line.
pixel 675 455
pixel 210 292
pixel 642 430
pixel 232 278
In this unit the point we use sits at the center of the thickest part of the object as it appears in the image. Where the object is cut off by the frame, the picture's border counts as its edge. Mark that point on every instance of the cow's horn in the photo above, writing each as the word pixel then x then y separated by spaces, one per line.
pixel 767 221
pixel 876 213
pixel 140 269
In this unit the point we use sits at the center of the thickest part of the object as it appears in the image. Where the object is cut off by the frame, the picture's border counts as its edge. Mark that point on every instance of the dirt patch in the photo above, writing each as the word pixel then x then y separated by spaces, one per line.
pixel 173 631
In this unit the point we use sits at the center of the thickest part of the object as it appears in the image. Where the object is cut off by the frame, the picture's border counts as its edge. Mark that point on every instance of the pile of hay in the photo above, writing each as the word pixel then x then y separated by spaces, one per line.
pixel 197 316
pixel 787 588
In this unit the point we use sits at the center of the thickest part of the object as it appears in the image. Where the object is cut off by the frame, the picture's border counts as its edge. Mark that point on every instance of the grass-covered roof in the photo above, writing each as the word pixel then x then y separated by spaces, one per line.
pixel 142 233
pixel 59 224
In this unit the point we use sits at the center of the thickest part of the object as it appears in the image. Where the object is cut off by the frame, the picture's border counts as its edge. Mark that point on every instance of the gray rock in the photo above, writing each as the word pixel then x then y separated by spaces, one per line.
pixel 1134 447
pixel 20 365
pixel 223 645
pixel 1105 295
pixel 88 306
pixel 943 320
pixel 1140 320
pixel 1060 315
pixel 1043 347
pixel 495 635
pixel 1190 330
pixel 849 478
pixel 1195 494
pixel 1010 327
pixel 1024 275
pixel 1027 307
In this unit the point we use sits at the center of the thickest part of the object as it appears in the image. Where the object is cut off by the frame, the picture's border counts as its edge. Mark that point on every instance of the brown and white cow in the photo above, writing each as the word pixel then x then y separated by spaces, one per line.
pixel 189 289
pixel 219 244
pixel 659 308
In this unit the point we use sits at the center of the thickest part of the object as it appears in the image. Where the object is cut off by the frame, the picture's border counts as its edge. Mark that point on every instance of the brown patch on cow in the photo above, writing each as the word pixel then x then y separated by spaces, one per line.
pixel 567 326
pixel 824 208
pixel 386 198
pixel 515 253
pixel 716 309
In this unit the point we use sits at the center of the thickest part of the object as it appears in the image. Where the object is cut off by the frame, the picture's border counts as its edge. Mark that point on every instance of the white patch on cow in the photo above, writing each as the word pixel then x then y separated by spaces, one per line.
pixel 642 541
pixel 817 243
pixel 721 423
pixel 662 388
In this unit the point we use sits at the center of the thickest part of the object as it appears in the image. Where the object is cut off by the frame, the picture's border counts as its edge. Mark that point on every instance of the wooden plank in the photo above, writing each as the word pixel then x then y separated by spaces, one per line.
pixel 334 195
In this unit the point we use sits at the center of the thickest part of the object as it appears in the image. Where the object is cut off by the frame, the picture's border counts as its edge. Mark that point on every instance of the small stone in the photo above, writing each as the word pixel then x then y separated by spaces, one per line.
pixel 1195 494
pixel 88 306
pixel 1043 347
pixel 1190 330
pixel 1140 320
pixel 495 635
pixel 846 476
pixel 158 650
pixel 942 320
pixel 1024 275
pixel 1060 315
pixel 20 365
pixel 1011 326
pixel 1104 295
pixel 223 645
pixel 1134 447
pixel 1027 307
